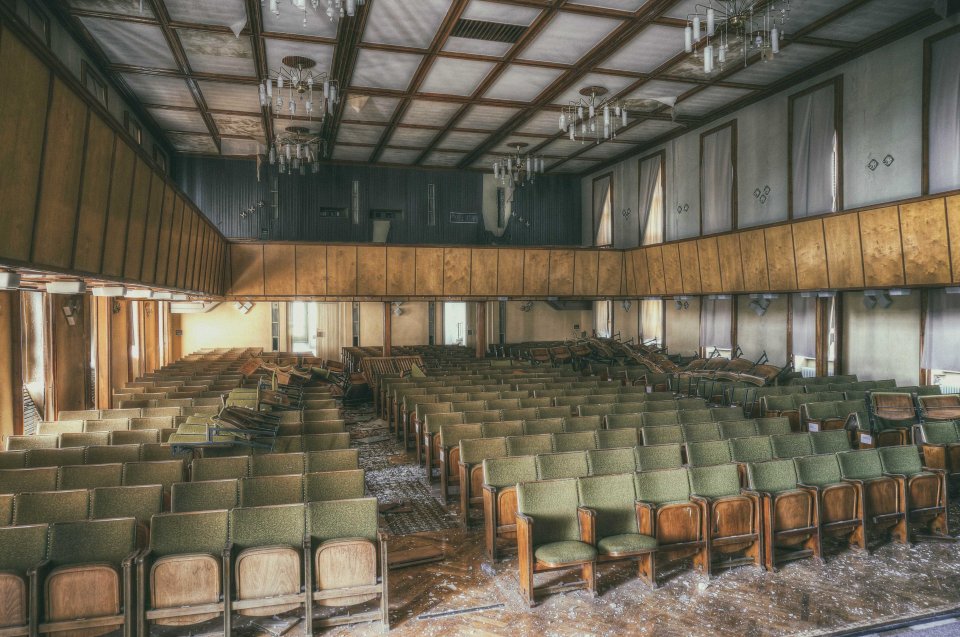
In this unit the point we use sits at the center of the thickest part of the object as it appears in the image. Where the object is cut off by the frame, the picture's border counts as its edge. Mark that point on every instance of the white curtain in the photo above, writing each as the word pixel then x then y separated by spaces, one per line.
pixel 716 317
pixel 945 114
pixel 651 201
pixel 941 339
pixel 716 181
pixel 603 211
pixel 602 316
pixel 651 321
pixel 814 158
pixel 804 326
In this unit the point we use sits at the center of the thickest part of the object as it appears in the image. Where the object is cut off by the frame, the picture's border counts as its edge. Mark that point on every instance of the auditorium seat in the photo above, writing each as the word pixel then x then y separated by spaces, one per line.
pixel 612 438
pixel 332 460
pixel 664 503
pixel 90 476
pixel 277 464
pixel 790 513
pixel 333 485
pixel 883 508
pixel 571 464
pixel 271 490
pixel 924 489
pixel 612 460
pixel 43 507
pixel 654 457
pixel 207 495
pixel 733 517
pixel 500 478
pixel 840 504
pixel 792 445
pixel 54 457
pixel 22 549
pixel 940 442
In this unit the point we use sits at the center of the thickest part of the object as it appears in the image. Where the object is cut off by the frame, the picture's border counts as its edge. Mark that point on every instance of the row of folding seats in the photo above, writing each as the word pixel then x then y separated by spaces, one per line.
pixel 81 576
pixel 267 490
pixel 97 454
pixel 236 467
pixel 787 509
pixel 67 440
pixel 163 472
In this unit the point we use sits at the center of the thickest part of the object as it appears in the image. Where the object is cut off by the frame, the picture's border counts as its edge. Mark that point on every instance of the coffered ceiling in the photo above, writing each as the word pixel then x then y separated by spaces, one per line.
pixel 452 83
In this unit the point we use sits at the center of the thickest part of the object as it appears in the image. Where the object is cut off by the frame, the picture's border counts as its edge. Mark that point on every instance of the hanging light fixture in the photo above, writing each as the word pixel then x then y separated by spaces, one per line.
pixel 592 117
pixel 335 9
pixel 518 169
pixel 753 25
pixel 296 152
pixel 295 90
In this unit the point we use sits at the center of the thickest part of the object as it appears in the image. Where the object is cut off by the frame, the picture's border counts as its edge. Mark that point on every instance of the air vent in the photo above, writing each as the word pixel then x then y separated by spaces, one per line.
pixel 386 214
pixel 464 217
pixel 336 213
pixel 489 31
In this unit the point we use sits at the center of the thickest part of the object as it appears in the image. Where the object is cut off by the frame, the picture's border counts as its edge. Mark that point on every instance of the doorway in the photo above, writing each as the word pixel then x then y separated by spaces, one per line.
pixel 454 323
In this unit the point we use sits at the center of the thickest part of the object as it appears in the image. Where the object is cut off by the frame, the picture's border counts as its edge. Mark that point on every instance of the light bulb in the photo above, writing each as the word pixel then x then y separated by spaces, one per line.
pixel 593 111
pixel 273 156
pixel 688 39
pixel 708 59
pixel 269 88
pixel 623 114
pixel 722 54
pixel 696 27
pixel 563 121
pixel 326 89
pixel 711 22
pixel 606 116
pixel 333 93
pixel 580 112
pixel 775 39
pixel 279 82
pixel 573 133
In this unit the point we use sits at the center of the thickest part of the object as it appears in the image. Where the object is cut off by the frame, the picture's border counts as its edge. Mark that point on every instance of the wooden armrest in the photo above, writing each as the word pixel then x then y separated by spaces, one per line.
pixel 588 524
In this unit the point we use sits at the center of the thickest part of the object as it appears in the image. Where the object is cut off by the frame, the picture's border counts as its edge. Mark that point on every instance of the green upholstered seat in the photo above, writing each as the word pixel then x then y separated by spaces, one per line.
pixel 451 435
pixel 483 415
pixel 613 497
pixel 714 482
pixel 537 426
pixel 529 445
pixel 323 442
pixel 30 479
pixel 693 416
pixel 59 426
pixel 344 518
pixel 535 402
pixel 901 460
pixel 564 552
pixel 662 487
pixel 691 404
pixel 504 428
pixel 503 403
pixel 662 435
pixel 832 441
pixel 230 467
pixel 576 424
pixel 107 454
pixel 738 429
pixel 615 460
pixel 90 476
pixel 32 442
pixel 556 531
pixel 42 507
pixel 823 410
pixel 332 460
pixel 599 410
pixel 668 405
pixel 433 421
pixel 792 445
pixel 710 452
pixel 752 449
pixel 276 464
pixel 613 438
pixel 701 432
pixel 277 525
pixel 189 533
pixel 522 413
pixel 653 457
pixel 575 441
pixel 507 472
pixel 773 426
pixel 334 485
pixel 13 459
pixel 271 490
pixel 54 457
pixel 660 419
pixel 818 471
pixel 626 543
pixel 553 466
pixel 475 451
pixel 772 476
pixel 134 437
pixel 864 464
pixel 630 407
pixel 107 424
pixel 624 421
pixel 208 495
pixel 108 541
pixel 84 439
pixel 6 509
pixel 557 411
pixel 163 472
pixel 726 413
pixel 141 502
pixel 22 548
pixel 940 433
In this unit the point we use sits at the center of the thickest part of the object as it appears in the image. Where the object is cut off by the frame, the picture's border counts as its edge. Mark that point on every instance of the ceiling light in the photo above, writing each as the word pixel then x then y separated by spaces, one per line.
pixel 518 169
pixel 898 292
pixel 138 294
pixel 179 297
pixel 751 25
pixel 9 281
pixel 591 116
pixel 162 296
pixel 109 291
pixel 66 287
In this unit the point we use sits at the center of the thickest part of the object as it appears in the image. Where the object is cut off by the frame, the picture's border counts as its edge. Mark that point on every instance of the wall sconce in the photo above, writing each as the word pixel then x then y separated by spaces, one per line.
pixel 626 304
pixel 397 311
pixel 682 302
pixel 762 195
pixel 71 310
pixel 243 307
pixel 876 298
pixel 682 208
pixel 625 213
pixel 115 308
pixel 526 306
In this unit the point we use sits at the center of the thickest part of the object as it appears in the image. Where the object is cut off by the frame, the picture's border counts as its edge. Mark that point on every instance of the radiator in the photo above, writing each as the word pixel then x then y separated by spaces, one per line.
pixel 808 372
pixel 950 389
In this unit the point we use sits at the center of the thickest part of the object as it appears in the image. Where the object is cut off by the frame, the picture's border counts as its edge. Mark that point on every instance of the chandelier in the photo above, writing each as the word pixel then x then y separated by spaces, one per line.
pixel 294 84
pixel 757 25
pixel 518 169
pixel 591 116
pixel 335 8
pixel 295 151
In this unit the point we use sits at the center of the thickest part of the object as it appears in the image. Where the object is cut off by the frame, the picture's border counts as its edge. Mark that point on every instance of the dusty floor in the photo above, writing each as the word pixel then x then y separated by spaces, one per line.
pixel 466 595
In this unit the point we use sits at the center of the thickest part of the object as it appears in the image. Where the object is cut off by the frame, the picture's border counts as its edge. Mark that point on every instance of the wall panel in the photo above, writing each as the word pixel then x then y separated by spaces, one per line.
pixel 781 264
pixel 731 264
pixel 151 240
pixel 953 223
pixel 536 272
pixel 585 270
pixel 176 230
pixel 371 271
pixel 561 272
pixel 844 254
pixel 401 271
pixel 246 264
pixel 753 257
pixel 311 268
pixel 429 271
pixel 280 269
pixel 483 271
pixel 654 261
pixel 121 183
pixel 672 276
pixel 510 272
pixel 186 240
pixel 56 216
pixel 810 252
pixel 23 108
pixel 341 270
pixel 882 251
pixel 456 271
pixel 690 267
pixel 94 197
pixel 641 272
pixel 709 265
pixel 610 279
pixel 137 222
pixel 926 247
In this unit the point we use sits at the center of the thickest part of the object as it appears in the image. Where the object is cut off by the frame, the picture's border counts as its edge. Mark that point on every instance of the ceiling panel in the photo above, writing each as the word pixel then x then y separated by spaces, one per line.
pixel 545 122
pixel 131 43
pixel 245 125
pixel 486 117
pixel 412 137
pixel 521 82
pixel 399 156
pixel 369 108
pixel 312 126
pixel 606 150
pixel 871 18
pixel 709 100
pixel 220 53
pixel 429 112
pixel 117 7
pixel 791 59
pixel 189 121
pixel 241 147
pixel 613 83
pixel 225 96
pixel 476 47
pixel 647 130
pixel 359 134
pixel 497 12
pixel 440 158
pixel 405 23
pixel 382 69
pixel 455 77
pixel 563 147
pixel 290 20
pixel 157 89
pixel 568 38
pixel 277 49
pixel 224 13
pixel 659 89
pixel 574 166
pixel 351 153
pixel 458 140
pixel 647 51
pixel 192 143
pixel 622 5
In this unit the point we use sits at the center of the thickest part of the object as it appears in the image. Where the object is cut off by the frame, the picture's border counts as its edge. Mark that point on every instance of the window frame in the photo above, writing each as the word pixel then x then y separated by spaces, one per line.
pixel 837 82
pixel 87 75
pixel 734 224
pixel 663 189
pixel 595 224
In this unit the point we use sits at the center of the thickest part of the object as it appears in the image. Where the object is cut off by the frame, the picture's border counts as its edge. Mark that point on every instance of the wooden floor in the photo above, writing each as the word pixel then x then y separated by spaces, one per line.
pixel 466 595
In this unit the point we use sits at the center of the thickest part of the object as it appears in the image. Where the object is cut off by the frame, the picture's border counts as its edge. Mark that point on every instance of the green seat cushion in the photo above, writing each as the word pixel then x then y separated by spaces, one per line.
pixel 772 476
pixel 818 471
pixel 565 552
pixel 903 460
pixel 626 543
pixel 860 465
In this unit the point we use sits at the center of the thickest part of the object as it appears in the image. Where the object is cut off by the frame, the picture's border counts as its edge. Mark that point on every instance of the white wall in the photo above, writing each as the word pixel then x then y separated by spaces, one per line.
pixel 880 344
pixel 224 326
pixel 543 323
pixel 882 100
pixel 756 334
pixel 683 328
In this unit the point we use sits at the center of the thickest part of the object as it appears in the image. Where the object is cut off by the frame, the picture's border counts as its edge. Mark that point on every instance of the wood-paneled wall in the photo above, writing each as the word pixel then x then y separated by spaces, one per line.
pixel 365 271
pixel 912 243
pixel 78 196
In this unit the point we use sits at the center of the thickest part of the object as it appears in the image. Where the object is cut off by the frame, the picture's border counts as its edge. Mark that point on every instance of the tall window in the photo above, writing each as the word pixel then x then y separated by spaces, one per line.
pixel 804 339
pixel 941 340
pixel 815 146
pixel 716 324
pixel 651 322
pixel 650 188
pixel 34 360
pixel 942 119
pixel 603 318
pixel 603 210
pixel 718 179
pixel 454 323
pixel 302 325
